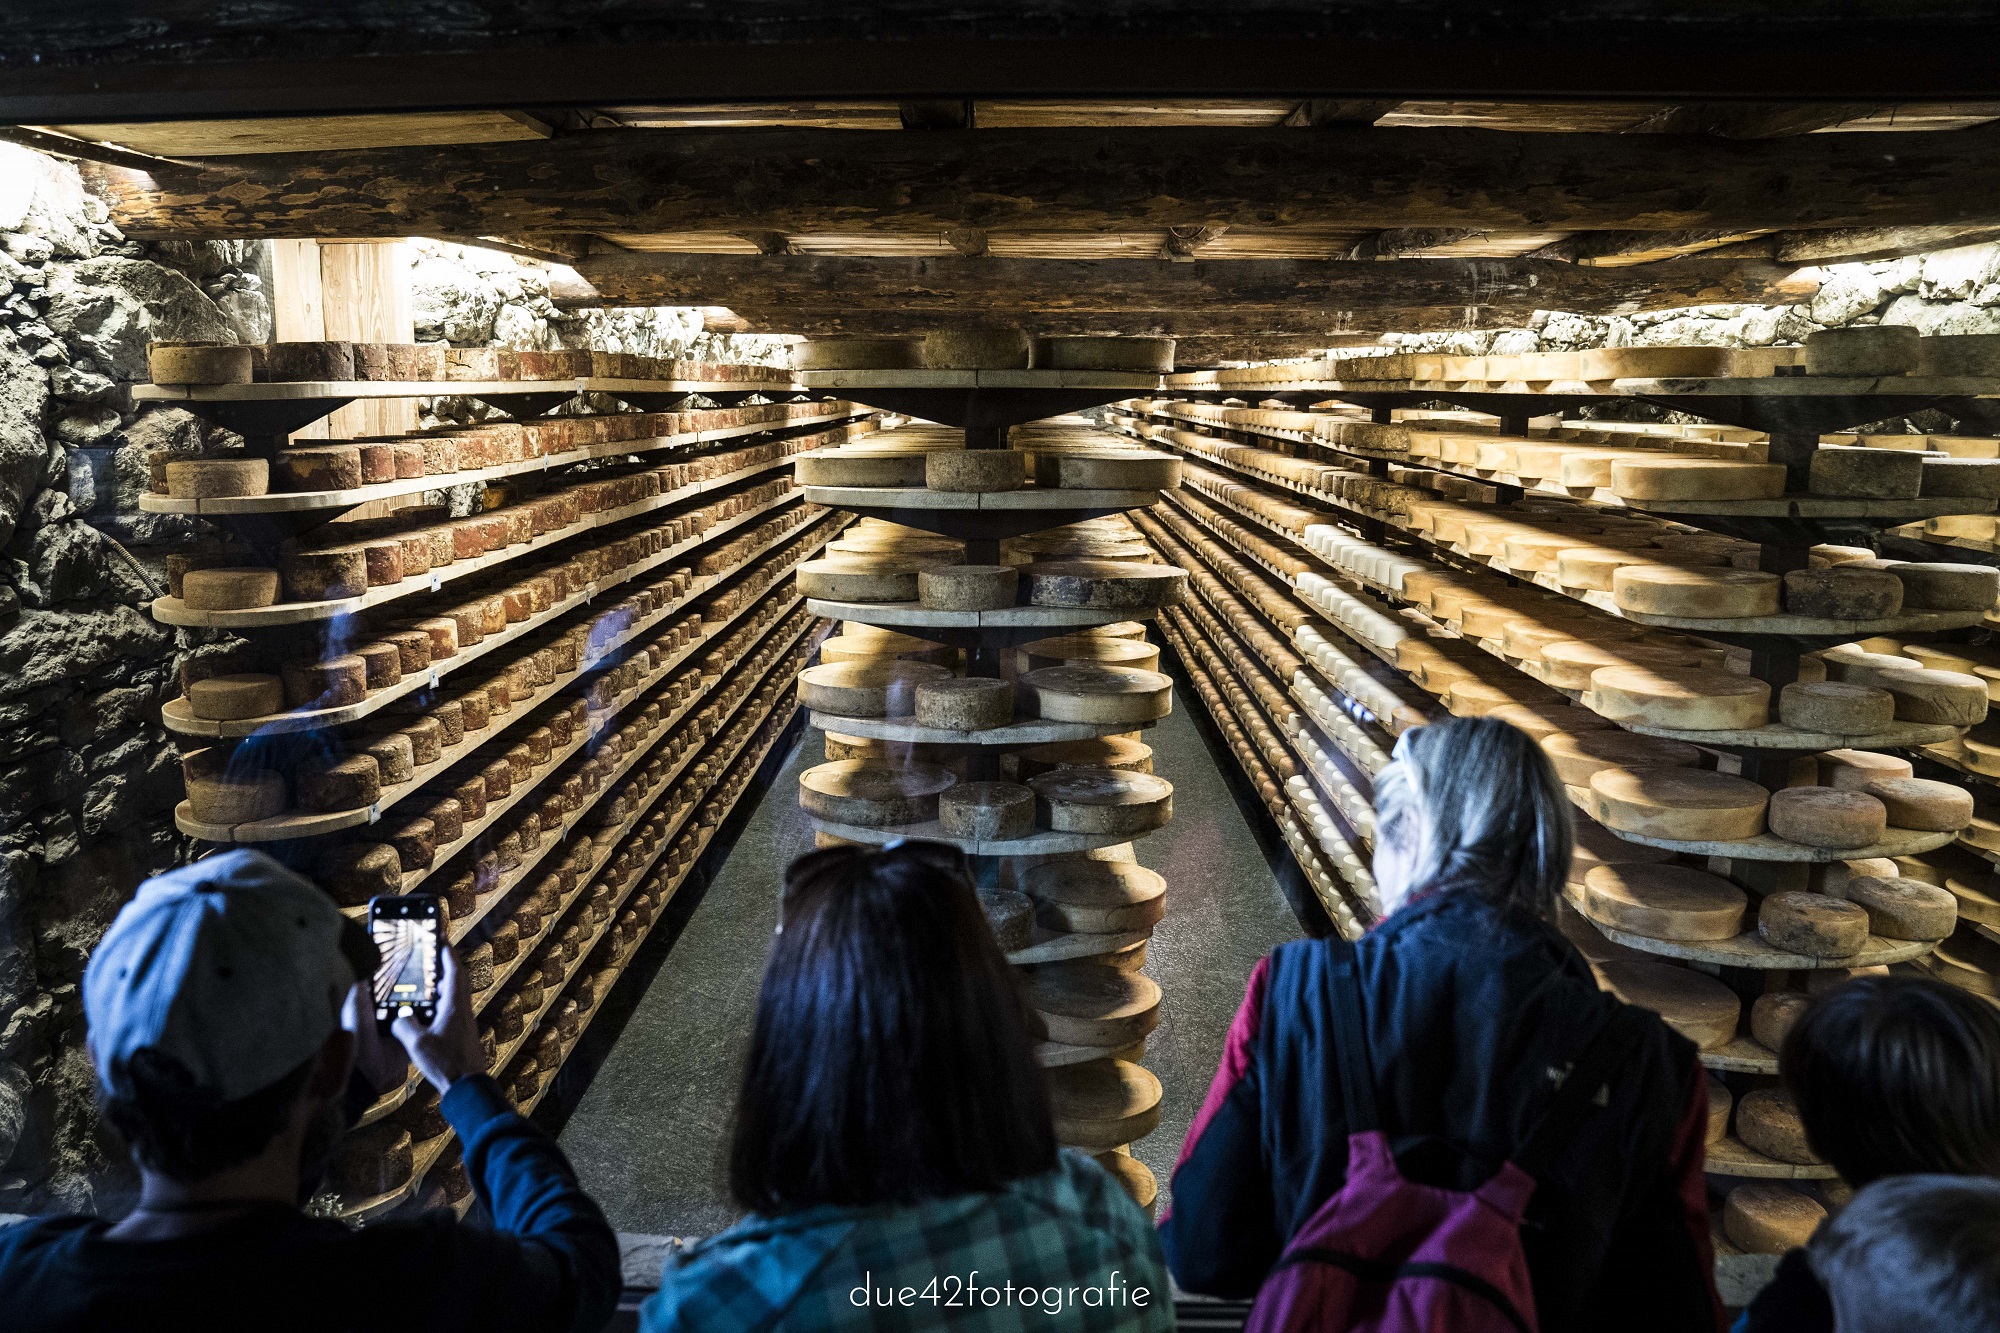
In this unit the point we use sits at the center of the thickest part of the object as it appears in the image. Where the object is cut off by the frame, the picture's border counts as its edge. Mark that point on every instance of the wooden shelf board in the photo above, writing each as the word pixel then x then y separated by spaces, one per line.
pixel 1028 497
pixel 1732 1157
pixel 1028 731
pixel 1055 619
pixel 271 391
pixel 1741 1055
pixel 1041 842
pixel 978 379
pixel 1750 951
pixel 1052 946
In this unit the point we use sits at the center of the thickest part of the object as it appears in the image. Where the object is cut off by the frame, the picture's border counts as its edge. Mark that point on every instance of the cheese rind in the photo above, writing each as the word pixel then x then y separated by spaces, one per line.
pixel 1578 756
pixel 1102 801
pixel 1865 474
pixel 1690 699
pixel 1761 1218
pixel 1812 924
pixel 1919 803
pixel 1843 593
pixel 1865 350
pixel 1096 897
pixel 315 576
pixel 880 687
pixel 1773 1014
pixel 1828 817
pixel 1767 1120
pixel 1853 770
pixel 1903 909
pixel 975 470
pixel 1835 708
pixel 1682 479
pixel 1097 694
pixel 1102 1104
pixel 872 794
pixel 1946 586
pixel 1698 1007
pixel 238 798
pixel 214 478
pixel 987 811
pixel 1665 902
pixel 963 703
pixel 1935 696
pixel 968 587
pixel 236 697
pixel 1104 584
pixel 1093 1004
pixel 1696 594
pixel 1691 805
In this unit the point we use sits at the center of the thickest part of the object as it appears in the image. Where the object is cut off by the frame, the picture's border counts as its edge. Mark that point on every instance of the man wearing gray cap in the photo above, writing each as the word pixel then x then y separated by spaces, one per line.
pixel 234 1042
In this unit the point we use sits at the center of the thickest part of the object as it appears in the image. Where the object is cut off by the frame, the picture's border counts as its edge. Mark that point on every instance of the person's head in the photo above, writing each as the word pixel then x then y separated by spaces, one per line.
pixel 1471 803
pixel 1914 1252
pixel 1897 1076
pixel 890 1061
pixel 213 1004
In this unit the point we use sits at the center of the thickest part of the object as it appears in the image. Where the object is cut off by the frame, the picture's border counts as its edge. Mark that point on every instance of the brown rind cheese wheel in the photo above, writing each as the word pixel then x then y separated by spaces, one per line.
pixel 1097 694
pixel 1697 1006
pixel 870 794
pixel 1827 817
pixel 1681 804
pixel 1102 1104
pixel 1767 1121
pixel 1102 801
pixel 1665 902
pixel 1761 1218
pixel 986 811
pixel 1903 909
pixel 1104 585
pixel 1812 924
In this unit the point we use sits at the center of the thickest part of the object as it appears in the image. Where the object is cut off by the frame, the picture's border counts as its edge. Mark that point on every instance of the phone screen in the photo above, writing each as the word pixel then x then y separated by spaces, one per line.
pixel 409 932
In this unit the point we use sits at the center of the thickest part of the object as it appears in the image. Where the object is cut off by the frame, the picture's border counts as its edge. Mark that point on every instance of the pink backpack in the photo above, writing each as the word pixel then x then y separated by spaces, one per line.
pixel 1387 1255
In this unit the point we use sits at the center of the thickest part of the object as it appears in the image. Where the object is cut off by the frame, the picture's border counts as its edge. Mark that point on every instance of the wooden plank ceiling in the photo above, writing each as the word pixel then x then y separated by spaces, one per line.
pixel 1302 219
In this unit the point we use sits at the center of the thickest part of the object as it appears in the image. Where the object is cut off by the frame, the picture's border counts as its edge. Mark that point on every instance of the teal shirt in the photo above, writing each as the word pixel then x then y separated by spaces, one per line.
pixel 1067 1249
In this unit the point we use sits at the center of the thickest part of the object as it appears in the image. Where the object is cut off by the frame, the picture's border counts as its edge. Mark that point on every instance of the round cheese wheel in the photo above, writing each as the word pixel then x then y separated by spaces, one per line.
pixel 1096 897
pixel 1010 916
pixel 860 467
pixel 1102 1104
pixel 1719 1102
pixel 1948 587
pixel 1843 593
pixel 1102 353
pixel 1091 648
pixel 332 468
pixel 1102 800
pixel 1773 1014
pixel 1134 1177
pixel 876 687
pixel 1865 351
pixel 858 354
pixel 862 578
pixel 1568 664
pixel 1918 803
pixel 1124 471
pixel 1903 909
pixel 1841 709
pixel 236 797
pixel 1812 924
pixel 1578 756
pixel 1696 479
pixel 1665 902
pixel 976 349
pixel 1703 594
pixel 1544 720
pixel 1935 696
pixel 1104 584
pixel 1097 694
pixel 1685 804
pixel 1088 1003
pixel 1865 474
pixel 1690 699
pixel 1767 1121
pixel 332 682
pixel 1120 752
pixel 1762 1218
pixel 1697 1006
pixel 872 794
pixel 975 470
pixel 861 643
pixel 987 811
pixel 1853 770
pixel 964 703
pixel 968 587
pixel 198 363
pixel 209 478
pixel 394 755
pixel 1827 817
pixel 318 576
pixel 234 698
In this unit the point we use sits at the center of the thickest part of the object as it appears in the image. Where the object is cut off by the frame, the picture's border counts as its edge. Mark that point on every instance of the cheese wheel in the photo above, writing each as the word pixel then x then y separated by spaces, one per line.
pixel 1665 902
pixel 1812 924
pixel 1696 594
pixel 338 782
pixel 1865 474
pixel 331 468
pixel 1684 804
pixel 198 363
pixel 1102 801
pixel 860 467
pixel 858 354
pixel 1544 720
pixel 1935 696
pixel 987 811
pixel 1120 752
pixel 382 664
pixel 1828 817
pixel 1843 593
pixel 1105 353
pixel 1697 1006
pixel 1903 909
pixel 1761 1218
pixel 1128 470
pixel 1096 897
pixel 1087 1003
pixel 1568 664
pixel 1009 916
pixel 1092 649
pixel 1865 351
pixel 1767 1121
pixel 236 697
pixel 228 589
pixel 1577 757
pixel 963 703
pixel 1853 770
pixel 1719 1102
pixel 976 349
pixel 863 642
pixel 1918 803
pixel 1960 478
pixel 320 576
pixel 429 735
pixel 862 578
pixel 1772 1016
pixel 872 794
pixel 1097 694
pixel 394 756
pixel 968 587
pixel 238 797
pixel 1943 586
pixel 1692 479
pixel 1104 584
pixel 1840 709
pixel 1135 1178
pixel 414 646
pixel 371 1161
pixel 967 470
pixel 207 478
pixel 879 687
pixel 1690 699
pixel 1101 1104
pixel 332 682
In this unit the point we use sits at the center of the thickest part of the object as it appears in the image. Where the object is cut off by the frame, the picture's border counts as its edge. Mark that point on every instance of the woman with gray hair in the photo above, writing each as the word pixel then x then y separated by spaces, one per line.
pixel 1464 1008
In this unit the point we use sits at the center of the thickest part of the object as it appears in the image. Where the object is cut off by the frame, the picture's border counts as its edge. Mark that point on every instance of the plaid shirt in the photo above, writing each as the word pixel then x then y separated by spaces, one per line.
pixel 1063 1250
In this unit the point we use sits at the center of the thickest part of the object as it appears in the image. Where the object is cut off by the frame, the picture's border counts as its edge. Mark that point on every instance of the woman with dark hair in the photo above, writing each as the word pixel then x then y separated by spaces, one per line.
pixel 1472 1010
pixel 894 1145
pixel 1893 1076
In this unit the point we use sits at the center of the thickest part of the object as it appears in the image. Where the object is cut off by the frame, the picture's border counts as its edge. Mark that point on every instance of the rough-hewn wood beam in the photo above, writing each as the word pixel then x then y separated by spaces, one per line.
pixel 1613 249
pixel 1399 241
pixel 1086 179
pixel 1315 326
pixel 1753 120
pixel 1848 245
pixel 1482 288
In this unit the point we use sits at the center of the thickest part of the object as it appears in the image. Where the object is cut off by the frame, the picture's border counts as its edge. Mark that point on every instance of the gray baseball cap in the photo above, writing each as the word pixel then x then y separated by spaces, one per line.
pixel 233 967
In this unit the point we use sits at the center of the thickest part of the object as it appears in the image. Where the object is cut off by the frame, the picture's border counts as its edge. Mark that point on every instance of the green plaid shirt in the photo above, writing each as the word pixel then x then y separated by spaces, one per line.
pixel 1064 1250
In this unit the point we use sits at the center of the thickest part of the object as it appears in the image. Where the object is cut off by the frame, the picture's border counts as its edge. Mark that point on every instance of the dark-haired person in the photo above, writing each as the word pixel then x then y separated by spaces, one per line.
pixel 1473 1007
pixel 1893 1076
pixel 1915 1252
pixel 225 1018
pixel 893 1143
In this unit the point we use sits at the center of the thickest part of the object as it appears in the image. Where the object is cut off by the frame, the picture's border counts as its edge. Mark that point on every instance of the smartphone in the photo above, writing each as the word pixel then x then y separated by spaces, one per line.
pixel 409 931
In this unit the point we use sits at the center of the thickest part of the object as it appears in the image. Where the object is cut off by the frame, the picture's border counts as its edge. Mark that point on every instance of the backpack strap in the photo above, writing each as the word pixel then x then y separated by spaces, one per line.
pixel 1590 1071
pixel 1350 1033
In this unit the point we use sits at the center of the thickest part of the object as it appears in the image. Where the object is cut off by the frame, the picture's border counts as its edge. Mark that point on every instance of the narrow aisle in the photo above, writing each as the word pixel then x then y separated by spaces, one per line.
pixel 650 1137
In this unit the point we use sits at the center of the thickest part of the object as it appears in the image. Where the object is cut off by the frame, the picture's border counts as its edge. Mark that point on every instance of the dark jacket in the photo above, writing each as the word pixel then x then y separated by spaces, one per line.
pixel 551 1263
pixel 1794 1302
pixel 1469 1006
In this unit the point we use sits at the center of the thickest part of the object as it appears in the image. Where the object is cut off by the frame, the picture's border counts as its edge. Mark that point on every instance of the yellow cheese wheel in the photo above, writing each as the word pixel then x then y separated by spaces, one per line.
pixel 1703 594
pixel 1665 902
pixel 238 589
pixel 975 470
pixel 1935 696
pixel 880 687
pixel 1918 803
pixel 872 793
pixel 1772 1016
pixel 1101 1104
pixel 1841 709
pixel 233 698
pixel 1697 1006
pixel 1543 720
pixel 1853 770
pixel 1767 1120
pixel 205 478
pixel 1719 1102
pixel 1690 699
pixel 1683 804
pixel 1568 665
pixel 1689 479
pixel 1828 817
pixel 1579 756
pixel 1762 1218
pixel 1903 909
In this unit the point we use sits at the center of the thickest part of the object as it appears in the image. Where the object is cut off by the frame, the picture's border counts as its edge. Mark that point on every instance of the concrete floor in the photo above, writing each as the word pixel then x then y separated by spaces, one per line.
pixel 650 1135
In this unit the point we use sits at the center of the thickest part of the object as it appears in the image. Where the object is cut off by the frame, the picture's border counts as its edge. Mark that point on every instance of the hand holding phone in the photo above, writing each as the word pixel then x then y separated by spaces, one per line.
pixel 447 1049
pixel 409 932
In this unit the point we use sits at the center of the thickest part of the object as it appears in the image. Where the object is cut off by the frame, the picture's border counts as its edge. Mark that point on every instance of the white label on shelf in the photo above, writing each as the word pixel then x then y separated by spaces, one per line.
pixel 435 582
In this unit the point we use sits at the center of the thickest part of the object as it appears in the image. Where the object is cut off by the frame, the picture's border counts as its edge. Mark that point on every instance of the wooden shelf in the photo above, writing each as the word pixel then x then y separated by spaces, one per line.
pixel 978 379
pixel 1749 950
pixel 1030 731
pixel 1028 497
pixel 1741 1055
pixel 269 391
pixel 1732 1158
pixel 288 502
pixel 172 611
pixel 1767 847
pixel 1052 946
pixel 1053 619
pixel 1041 842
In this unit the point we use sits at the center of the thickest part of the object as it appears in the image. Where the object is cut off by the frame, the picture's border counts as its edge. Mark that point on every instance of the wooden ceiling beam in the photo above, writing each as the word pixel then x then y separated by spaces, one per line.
pixel 1315 326
pixel 954 284
pixel 1078 179
pixel 1753 120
